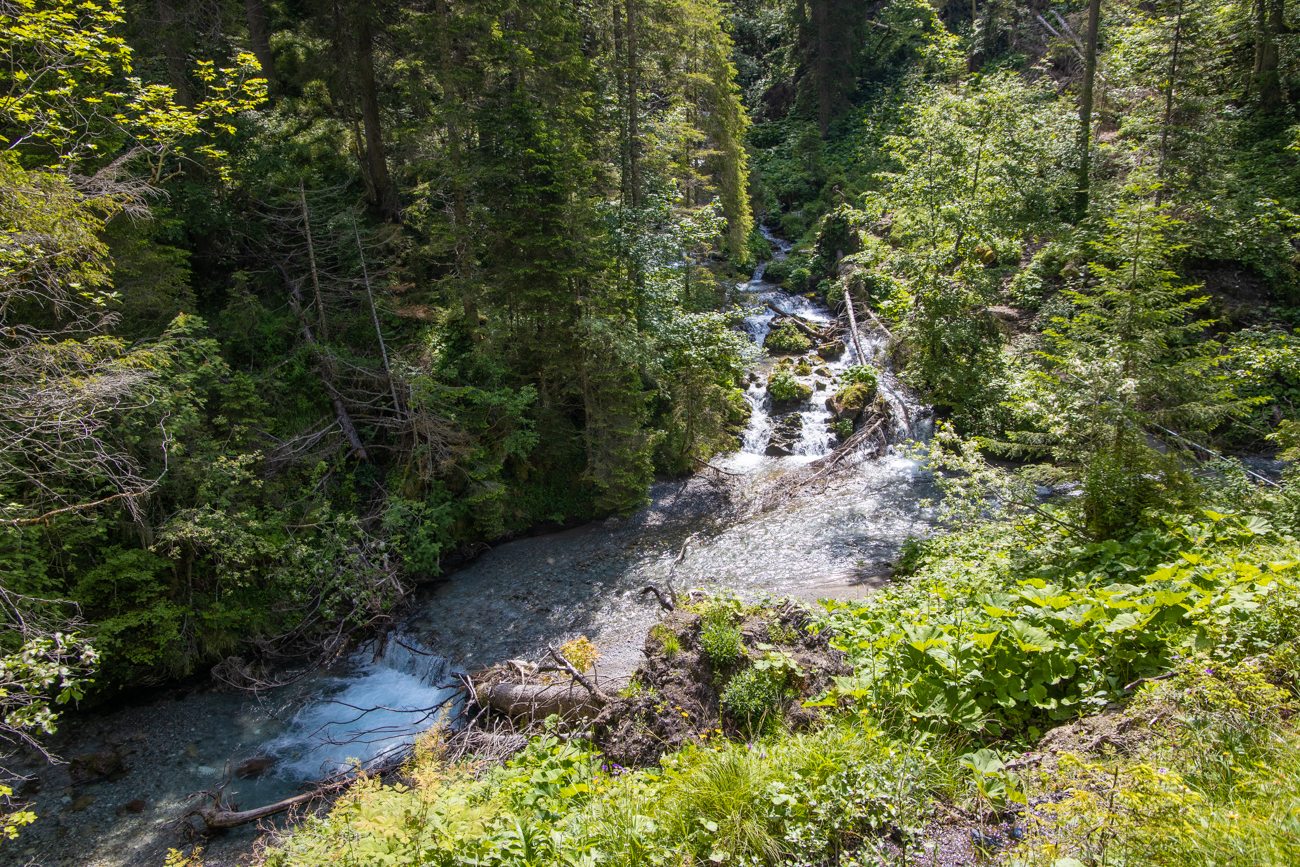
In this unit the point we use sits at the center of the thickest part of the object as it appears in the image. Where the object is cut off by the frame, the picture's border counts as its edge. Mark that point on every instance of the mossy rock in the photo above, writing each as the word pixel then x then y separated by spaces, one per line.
pixel 738 410
pixel 786 339
pixel 856 395
pixel 785 390
pixel 803 368
pixel 831 351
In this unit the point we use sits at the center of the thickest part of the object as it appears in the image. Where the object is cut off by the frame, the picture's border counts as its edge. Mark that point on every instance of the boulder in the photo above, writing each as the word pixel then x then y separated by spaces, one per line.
pixel 841 410
pixel 89 767
pixel 831 351
pixel 251 768
pixel 784 436
pixel 81 803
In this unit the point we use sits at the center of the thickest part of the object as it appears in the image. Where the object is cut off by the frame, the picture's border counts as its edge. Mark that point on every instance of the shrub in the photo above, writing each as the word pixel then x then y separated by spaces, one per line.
pixel 842 427
pixel 862 373
pixel 738 409
pixel 753 697
pixel 1068 638
pixel 784 388
pixel 580 653
pixel 721 639
pixel 786 339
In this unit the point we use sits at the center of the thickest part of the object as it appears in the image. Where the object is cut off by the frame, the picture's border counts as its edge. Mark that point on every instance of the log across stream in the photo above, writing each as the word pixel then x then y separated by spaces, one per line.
pixel 831 540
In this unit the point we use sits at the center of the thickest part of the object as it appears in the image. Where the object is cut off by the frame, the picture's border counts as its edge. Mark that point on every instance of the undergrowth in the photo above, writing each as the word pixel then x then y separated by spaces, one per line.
pixel 1184 636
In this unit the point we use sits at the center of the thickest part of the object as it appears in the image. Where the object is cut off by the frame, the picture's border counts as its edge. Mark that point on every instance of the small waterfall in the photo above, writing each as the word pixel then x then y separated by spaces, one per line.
pixel 756 435
pixel 371 711
pixel 815 440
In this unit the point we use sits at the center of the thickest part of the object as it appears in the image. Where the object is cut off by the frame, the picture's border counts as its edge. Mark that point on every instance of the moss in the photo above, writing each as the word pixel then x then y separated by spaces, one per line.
pixel 857 394
pixel 738 410
pixel 803 368
pixel 784 388
pixel 786 339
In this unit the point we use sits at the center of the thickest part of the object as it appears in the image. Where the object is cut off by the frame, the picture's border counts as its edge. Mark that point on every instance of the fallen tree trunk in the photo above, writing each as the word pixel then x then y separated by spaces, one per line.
pixel 808 330
pixel 533 701
pixel 322 365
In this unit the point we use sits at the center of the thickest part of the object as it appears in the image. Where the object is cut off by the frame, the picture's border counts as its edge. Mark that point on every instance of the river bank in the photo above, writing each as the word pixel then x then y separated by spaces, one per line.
pixel 513 601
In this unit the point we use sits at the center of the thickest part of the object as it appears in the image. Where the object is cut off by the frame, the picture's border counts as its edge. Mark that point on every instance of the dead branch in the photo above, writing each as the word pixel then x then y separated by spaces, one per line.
pixel 214 817
pixel 853 328
pixel 599 697
pixel 322 367
pixel 665 601
pixel 811 333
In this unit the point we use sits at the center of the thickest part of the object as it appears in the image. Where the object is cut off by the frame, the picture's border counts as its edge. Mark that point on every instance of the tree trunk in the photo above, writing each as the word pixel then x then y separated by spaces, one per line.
pixel 460 212
pixel 633 109
pixel 376 164
pixel 260 38
pixel 1085 112
pixel 825 88
pixel 1169 101
pixel 620 84
pixel 1267 82
pixel 177 73
pixel 311 261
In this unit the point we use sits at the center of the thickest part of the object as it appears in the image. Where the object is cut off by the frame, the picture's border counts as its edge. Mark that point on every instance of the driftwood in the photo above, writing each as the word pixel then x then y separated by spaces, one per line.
pixel 596 695
pixel 668 597
pixel 525 698
pixel 536 701
pixel 215 817
pixel 811 333
pixel 665 601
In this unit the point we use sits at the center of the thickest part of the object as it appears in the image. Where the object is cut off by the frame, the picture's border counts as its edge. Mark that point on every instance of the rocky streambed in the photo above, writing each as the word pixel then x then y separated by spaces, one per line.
pixel 835 540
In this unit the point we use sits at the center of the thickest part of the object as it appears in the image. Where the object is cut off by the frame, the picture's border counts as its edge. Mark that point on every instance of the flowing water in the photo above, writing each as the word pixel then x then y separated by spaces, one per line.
pixel 512 602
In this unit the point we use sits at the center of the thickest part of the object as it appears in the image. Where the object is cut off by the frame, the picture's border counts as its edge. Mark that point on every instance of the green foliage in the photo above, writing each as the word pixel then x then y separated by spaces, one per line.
pixel 1131 353
pixel 802 796
pixel 1006 651
pixel 753 698
pixel 786 339
pixel 782 387
pixel 720 638
pixel 1216 793
pixel 861 374
pixel 669 644
pixel 421 532
pixel 779 663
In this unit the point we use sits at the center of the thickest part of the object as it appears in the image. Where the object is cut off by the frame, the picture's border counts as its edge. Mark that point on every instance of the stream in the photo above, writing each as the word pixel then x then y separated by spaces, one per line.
pixel 511 602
